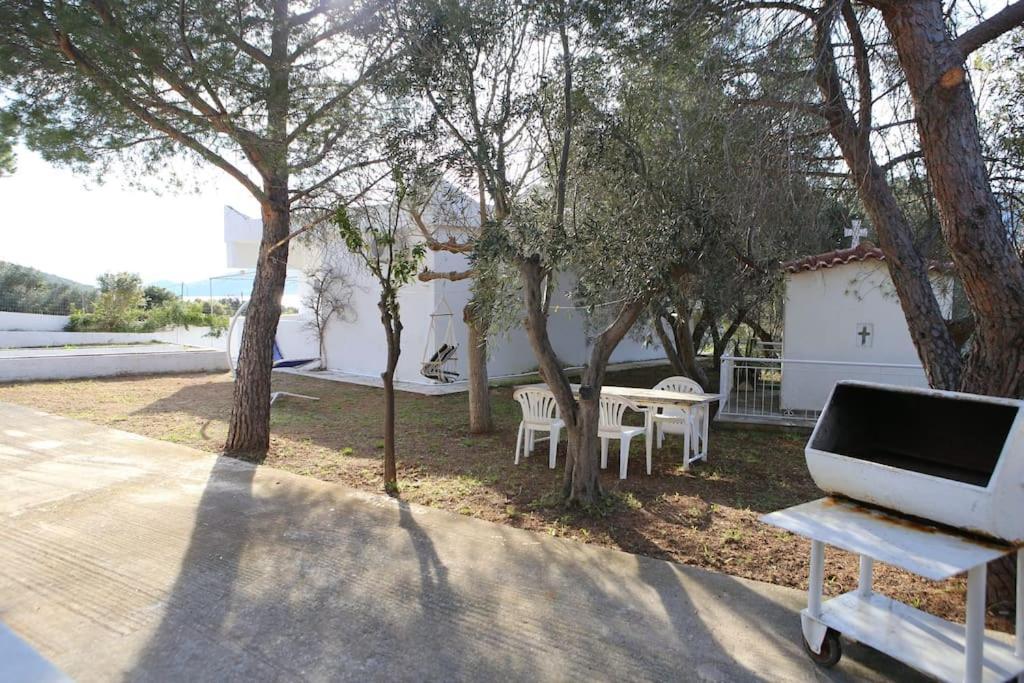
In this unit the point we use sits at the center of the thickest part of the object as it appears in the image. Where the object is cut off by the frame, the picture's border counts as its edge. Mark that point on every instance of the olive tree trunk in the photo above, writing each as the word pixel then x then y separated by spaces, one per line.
pixel 480 421
pixel 679 349
pixel 580 483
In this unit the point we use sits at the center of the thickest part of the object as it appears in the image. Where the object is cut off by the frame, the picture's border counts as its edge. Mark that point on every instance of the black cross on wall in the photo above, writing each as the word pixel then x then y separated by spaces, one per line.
pixel 864 333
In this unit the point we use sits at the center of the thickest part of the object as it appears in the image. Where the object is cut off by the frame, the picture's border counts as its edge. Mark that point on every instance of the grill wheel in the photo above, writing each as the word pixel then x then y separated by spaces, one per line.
pixel 831 650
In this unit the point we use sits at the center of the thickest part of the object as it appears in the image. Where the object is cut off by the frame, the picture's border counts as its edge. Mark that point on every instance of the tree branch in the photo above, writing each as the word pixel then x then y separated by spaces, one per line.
pixel 991 28
pixel 451 275
pixel 84 64
pixel 804 107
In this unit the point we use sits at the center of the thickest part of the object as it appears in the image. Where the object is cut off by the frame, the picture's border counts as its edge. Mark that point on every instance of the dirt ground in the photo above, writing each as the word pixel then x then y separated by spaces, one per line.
pixel 707 517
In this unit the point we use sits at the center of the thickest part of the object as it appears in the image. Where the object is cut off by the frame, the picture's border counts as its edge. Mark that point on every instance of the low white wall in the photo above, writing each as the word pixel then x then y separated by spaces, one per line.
pixel 32 321
pixel 194 336
pixel 23 369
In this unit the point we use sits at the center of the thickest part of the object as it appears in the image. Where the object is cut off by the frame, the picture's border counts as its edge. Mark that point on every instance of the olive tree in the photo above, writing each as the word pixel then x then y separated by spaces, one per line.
pixel 329 295
pixel 590 217
pixel 475 75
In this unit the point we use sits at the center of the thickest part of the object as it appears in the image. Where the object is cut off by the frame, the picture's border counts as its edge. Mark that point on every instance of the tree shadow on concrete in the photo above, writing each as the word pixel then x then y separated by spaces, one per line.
pixel 767 625
pixel 285 578
pixel 288 578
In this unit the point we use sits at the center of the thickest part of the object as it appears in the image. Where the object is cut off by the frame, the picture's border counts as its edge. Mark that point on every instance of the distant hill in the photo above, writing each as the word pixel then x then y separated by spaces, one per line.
pixel 236 286
pixel 47 277
pixel 28 290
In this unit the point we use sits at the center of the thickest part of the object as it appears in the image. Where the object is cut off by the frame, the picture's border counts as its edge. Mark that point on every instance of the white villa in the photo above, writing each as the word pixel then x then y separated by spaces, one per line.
pixel 354 344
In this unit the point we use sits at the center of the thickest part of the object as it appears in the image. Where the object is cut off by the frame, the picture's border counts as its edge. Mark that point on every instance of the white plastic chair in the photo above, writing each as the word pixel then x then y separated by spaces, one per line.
pixel 692 424
pixel 540 414
pixel 610 427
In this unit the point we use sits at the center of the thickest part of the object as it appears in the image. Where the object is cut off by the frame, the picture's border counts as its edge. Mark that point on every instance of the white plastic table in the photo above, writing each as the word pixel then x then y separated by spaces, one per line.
pixel 945 650
pixel 654 398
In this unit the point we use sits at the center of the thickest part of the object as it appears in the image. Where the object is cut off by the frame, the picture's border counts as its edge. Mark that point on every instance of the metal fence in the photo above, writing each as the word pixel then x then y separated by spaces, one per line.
pixel 19 302
pixel 793 391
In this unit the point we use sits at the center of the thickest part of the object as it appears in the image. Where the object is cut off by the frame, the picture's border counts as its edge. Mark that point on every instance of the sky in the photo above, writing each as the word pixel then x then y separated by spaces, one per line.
pixel 66 224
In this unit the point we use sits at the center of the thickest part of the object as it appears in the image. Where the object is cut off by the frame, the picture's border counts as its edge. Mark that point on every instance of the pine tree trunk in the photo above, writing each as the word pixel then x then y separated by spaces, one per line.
pixel 971 219
pixel 906 266
pixel 249 428
pixel 480 421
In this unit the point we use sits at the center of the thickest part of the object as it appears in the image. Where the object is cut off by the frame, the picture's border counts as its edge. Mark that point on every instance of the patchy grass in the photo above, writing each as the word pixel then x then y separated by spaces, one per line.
pixel 706 517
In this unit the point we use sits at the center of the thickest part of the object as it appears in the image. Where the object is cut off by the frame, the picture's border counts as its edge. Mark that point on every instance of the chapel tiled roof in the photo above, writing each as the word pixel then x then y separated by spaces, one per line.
pixel 865 251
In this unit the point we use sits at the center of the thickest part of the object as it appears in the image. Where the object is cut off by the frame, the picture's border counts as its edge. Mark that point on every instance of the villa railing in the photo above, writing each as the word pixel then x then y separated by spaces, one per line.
pixel 794 391
pixel 769 349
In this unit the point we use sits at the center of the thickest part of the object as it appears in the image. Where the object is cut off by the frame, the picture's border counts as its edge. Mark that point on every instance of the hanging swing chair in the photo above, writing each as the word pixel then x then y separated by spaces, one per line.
pixel 440 364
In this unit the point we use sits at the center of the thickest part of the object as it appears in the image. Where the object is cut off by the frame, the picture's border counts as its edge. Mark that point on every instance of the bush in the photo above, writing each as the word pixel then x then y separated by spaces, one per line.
pixel 123 306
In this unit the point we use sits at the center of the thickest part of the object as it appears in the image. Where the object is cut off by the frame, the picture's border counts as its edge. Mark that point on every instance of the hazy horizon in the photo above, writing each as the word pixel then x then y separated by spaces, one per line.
pixel 63 223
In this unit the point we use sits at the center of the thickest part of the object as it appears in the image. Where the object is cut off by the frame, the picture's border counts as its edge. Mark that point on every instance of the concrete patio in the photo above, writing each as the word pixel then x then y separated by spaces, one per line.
pixel 124 557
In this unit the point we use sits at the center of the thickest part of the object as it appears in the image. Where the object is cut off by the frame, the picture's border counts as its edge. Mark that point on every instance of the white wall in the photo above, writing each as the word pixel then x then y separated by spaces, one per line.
pixel 32 321
pixel 242 236
pixel 194 336
pixel 294 338
pixel 44 367
pixel 513 355
pixel 356 345
pixel 824 311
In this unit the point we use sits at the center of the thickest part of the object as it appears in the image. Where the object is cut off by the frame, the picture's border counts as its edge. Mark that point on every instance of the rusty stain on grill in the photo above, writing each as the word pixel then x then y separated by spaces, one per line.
pixel 900 519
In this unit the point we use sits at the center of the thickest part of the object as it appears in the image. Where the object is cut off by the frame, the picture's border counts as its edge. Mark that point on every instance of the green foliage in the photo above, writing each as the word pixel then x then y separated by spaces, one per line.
pixel 27 290
pixel 8 135
pixel 156 296
pixel 146 81
pixel 123 306
pixel 380 242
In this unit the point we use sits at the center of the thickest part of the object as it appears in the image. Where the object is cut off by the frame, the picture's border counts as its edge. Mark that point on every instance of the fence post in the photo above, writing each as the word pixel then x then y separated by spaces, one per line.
pixel 724 384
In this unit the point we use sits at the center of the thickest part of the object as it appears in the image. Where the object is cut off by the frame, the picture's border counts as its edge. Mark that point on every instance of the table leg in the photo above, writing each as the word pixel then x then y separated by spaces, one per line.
pixel 816 578
pixel 686 448
pixel 867 566
pixel 975 631
pixel 706 421
pixel 1019 650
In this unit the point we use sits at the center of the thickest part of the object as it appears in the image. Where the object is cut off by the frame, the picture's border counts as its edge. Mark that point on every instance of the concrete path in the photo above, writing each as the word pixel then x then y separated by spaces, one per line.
pixel 124 557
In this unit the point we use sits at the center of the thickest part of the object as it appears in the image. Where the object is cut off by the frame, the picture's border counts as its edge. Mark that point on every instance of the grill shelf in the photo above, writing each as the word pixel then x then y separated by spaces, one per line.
pixel 948 651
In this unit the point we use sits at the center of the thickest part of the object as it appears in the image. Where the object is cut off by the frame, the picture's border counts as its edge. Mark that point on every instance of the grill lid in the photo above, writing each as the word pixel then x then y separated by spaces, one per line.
pixel 942 435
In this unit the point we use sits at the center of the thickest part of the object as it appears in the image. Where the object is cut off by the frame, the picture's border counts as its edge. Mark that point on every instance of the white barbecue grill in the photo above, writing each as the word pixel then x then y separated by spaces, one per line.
pixel 951 458
pixel 930 481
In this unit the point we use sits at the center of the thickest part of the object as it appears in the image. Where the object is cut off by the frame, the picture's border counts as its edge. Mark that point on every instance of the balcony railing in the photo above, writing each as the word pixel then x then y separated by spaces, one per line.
pixel 794 391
